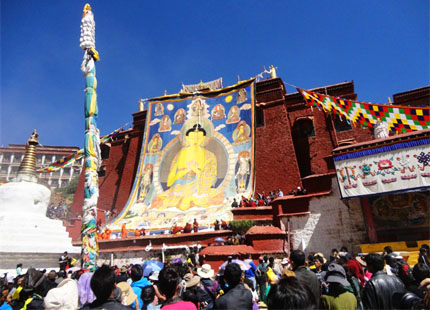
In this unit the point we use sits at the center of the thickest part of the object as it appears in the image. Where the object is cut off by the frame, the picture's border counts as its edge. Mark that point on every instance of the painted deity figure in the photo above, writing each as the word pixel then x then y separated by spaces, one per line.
pixel 179 116
pixel 233 115
pixel 146 181
pixel 155 144
pixel 241 133
pixel 241 96
pixel 159 109
pixel 165 124
pixel 243 171
pixel 218 112
pixel 193 171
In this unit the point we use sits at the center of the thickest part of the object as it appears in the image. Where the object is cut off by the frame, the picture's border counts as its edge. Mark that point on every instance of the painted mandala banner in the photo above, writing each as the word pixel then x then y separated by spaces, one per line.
pixel 398 167
pixel 197 155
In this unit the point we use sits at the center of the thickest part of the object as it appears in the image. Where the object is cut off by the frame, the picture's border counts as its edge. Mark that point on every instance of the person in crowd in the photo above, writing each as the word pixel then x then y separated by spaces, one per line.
pixel 148 299
pixel 420 272
pixel 123 275
pixel 170 286
pixel 250 273
pixel 127 296
pixel 64 261
pixel 387 250
pixel 354 286
pixel 305 276
pixel 195 226
pixel 353 265
pixel 195 293
pixel 138 282
pixel 334 255
pixel 206 274
pixel 319 262
pixel 337 297
pixel 216 225
pixel 103 285
pixel 275 267
pixel 237 296
pixel 19 269
pixel 63 297
pixel 249 285
pixel 290 293
pixel 261 277
pixel 280 193
pixel 86 294
pixel 379 291
pixel 423 256
pixel 158 299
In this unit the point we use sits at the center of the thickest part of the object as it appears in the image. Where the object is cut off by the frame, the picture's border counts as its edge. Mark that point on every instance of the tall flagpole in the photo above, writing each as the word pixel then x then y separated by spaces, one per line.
pixel 90 247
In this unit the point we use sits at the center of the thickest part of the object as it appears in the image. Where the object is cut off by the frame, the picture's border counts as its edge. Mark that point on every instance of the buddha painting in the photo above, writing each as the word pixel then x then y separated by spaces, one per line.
pixel 233 115
pixel 165 124
pixel 218 112
pixel 193 171
pixel 155 144
pixel 241 133
pixel 159 109
pixel 179 117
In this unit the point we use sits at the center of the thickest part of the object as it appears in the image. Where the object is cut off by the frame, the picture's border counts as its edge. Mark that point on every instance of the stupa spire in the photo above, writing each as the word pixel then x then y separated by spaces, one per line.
pixel 27 168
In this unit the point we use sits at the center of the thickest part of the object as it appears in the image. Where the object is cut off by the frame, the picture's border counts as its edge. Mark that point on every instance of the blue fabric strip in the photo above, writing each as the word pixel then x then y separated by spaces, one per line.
pixel 382 149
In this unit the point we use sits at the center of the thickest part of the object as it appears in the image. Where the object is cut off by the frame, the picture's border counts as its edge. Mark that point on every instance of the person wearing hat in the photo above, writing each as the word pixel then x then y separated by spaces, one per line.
pixel 128 296
pixel 337 297
pixel 63 297
pixel 122 276
pixel 196 293
pixel 206 274
pixel 154 279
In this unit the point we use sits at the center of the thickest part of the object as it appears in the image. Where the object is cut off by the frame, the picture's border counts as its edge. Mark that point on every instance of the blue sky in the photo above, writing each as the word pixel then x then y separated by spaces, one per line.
pixel 147 47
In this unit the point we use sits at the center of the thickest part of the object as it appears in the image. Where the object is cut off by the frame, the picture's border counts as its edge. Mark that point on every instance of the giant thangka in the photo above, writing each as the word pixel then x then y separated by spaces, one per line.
pixel 395 167
pixel 197 155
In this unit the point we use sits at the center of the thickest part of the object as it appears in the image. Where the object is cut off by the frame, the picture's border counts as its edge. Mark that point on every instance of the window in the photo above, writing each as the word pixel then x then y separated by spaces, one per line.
pixel 341 124
pixel 259 117
pixel 305 127
pixel 105 151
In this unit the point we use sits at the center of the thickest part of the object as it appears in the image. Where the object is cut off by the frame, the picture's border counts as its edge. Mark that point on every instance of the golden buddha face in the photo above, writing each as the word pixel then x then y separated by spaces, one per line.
pixel 195 138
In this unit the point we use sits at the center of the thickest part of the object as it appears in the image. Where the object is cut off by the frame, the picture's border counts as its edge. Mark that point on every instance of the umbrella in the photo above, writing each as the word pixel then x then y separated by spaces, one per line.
pixel 151 266
pixel 243 265
pixel 219 239
pixel 178 260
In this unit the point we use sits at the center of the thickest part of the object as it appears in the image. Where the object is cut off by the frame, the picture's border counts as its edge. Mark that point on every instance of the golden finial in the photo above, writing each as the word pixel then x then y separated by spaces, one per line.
pixel 273 72
pixel 87 7
pixel 27 168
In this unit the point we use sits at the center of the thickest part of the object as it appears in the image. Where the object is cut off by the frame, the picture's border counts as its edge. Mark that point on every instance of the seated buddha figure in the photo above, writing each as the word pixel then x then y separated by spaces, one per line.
pixel 192 173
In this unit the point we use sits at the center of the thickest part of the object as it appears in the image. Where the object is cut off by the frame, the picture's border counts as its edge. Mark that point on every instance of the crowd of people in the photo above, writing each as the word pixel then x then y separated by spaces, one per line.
pixel 60 211
pixel 261 199
pixel 373 281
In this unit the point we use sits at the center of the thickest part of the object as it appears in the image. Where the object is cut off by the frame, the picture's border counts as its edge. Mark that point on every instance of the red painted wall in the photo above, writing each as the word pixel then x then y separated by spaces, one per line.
pixel 121 167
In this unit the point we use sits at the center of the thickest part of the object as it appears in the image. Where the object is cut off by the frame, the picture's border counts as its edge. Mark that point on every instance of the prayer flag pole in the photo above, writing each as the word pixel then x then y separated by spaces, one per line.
pixel 92 160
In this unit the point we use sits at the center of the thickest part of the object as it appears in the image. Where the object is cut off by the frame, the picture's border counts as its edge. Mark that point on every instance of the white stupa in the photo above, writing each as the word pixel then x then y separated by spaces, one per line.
pixel 27 235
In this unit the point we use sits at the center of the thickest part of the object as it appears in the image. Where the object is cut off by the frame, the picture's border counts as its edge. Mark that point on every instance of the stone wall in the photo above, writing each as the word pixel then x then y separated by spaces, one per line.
pixel 330 224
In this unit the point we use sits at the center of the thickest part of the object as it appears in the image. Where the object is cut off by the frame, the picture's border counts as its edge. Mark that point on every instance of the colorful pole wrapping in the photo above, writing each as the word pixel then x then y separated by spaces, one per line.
pixel 90 249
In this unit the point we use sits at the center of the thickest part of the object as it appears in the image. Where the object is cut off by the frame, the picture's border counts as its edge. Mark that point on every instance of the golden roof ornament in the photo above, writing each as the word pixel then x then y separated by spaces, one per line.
pixel 27 168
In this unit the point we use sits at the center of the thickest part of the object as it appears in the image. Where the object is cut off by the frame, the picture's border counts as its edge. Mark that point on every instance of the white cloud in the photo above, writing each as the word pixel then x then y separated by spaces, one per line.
pixel 175 132
pixel 154 121
pixel 218 128
pixel 246 106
